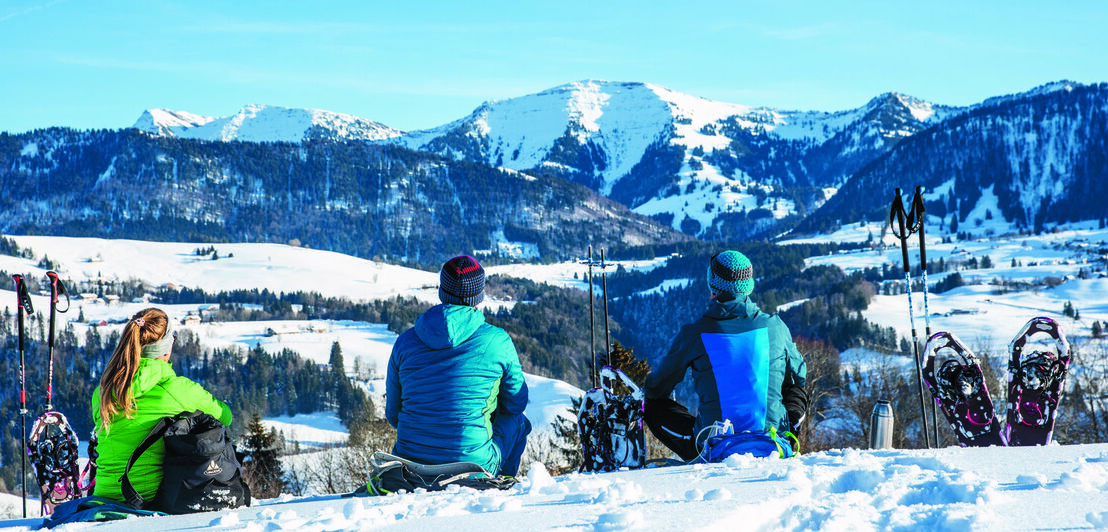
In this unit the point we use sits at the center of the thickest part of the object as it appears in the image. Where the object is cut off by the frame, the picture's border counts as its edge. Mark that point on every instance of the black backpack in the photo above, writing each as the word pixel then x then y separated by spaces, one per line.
pixel 200 471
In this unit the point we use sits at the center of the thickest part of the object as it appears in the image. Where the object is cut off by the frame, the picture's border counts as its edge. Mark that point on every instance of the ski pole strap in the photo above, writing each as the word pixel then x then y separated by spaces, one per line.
pixel 57 288
pixel 129 492
pixel 897 216
pixel 916 214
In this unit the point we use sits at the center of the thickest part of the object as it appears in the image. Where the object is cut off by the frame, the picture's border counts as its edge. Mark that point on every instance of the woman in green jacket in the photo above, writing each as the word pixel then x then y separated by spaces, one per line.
pixel 139 388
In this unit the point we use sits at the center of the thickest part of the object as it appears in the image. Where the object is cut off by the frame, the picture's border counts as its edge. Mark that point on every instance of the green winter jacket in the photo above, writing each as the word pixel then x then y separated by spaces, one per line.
pixel 159 392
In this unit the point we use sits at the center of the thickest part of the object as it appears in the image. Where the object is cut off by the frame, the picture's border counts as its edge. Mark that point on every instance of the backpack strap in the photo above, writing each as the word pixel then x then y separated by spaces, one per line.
pixel 129 492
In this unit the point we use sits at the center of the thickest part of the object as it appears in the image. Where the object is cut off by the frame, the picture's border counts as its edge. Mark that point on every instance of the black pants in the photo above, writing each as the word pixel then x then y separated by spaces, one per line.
pixel 673 425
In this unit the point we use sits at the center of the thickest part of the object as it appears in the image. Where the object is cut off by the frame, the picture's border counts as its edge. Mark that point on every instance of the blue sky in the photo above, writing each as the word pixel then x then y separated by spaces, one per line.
pixel 416 64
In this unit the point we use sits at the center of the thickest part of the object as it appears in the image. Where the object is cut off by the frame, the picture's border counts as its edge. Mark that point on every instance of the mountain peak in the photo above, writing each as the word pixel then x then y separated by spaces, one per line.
pixel 263 123
pixel 899 104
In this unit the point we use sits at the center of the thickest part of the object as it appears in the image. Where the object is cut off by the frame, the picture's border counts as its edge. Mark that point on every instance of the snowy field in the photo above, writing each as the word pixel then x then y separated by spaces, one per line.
pixel 276 267
pixel 318 429
pixel 1029 488
pixel 981 313
pixel 952 488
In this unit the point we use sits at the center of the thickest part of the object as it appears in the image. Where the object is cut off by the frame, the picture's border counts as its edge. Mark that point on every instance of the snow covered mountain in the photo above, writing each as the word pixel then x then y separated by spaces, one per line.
pixel 724 171
pixel 263 123
pixel 695 164
pixel 1023 161
pixel 352 197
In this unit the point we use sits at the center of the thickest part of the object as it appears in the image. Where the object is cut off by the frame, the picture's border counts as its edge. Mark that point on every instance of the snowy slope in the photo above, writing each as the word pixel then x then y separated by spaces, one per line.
pixel 277 267
pixel 622 119
pixel 263 123
pixel 692 156
pixel 982 313
pixel 1029 488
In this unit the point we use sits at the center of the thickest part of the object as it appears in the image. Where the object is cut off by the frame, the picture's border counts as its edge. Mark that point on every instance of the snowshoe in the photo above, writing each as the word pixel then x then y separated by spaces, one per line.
pixel 1036 375
pixel 390 474
pixel 611 425
pixel 52 449
pixel 960 391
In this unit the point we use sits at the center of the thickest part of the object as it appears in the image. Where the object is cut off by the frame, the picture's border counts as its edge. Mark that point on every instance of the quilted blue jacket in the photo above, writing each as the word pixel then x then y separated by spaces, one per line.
pixel 449 377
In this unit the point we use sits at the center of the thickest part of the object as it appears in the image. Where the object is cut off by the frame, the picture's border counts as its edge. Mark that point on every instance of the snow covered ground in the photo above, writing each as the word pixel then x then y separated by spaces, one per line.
pixel 276 267
pixel 318 429
pixel 962 489
pixel 983 313
pixel 1029 488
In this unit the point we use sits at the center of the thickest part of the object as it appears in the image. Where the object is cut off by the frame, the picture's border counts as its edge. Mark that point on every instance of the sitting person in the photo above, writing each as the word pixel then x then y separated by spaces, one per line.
pixel 455 390
pixel 138 389
pixel 745 368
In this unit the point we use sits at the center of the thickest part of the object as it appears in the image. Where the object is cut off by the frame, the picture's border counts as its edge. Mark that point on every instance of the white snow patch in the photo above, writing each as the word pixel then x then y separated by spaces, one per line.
pixel 667 285
pixel 29 150
pixel 938 489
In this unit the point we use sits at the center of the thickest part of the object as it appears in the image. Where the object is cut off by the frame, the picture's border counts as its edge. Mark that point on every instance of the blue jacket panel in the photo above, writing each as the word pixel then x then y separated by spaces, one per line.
pixel 744 364
pixel 449 378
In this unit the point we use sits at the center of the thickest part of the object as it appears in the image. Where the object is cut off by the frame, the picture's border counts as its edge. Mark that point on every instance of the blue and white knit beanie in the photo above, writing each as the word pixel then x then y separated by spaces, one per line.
pixel 462 281
pixel 731 272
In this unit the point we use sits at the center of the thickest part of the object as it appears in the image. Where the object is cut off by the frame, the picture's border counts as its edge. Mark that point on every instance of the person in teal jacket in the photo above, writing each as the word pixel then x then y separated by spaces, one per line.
pixel 745 367
pixel 454 389
pixel 137 389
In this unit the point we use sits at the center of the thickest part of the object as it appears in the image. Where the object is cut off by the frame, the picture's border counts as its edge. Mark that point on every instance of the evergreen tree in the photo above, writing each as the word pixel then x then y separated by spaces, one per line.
pixel 262 468
pixel 1097 330
pixel 339 382
pixel 623 358
pixel 567 439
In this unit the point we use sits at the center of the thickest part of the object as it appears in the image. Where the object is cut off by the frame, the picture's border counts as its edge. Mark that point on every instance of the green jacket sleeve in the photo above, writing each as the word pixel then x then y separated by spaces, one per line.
pixel 194 397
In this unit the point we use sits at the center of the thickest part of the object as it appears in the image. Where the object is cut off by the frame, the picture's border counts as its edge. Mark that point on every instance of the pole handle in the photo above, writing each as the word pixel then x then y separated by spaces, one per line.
pixel 22 296
pixel 918 216
pixel 896 211
pixel 57 288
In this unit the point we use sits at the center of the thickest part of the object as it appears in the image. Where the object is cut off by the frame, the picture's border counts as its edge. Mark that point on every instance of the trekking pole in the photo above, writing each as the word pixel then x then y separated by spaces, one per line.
pixel 23 304
pixel 56 288
pixel 896 210
pixel 592 321
pixel 918 215
pixel 607 338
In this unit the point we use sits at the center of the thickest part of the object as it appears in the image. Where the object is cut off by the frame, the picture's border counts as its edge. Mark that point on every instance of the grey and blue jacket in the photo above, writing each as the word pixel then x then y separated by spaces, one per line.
pixel 745 368
pixel 449 378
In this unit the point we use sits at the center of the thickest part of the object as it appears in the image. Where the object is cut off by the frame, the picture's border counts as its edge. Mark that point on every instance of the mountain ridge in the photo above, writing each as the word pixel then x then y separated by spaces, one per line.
pixel 263 123
pixel 714 170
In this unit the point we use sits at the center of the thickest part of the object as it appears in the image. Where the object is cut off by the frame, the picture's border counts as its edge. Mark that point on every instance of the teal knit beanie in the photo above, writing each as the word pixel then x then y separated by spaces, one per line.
pixel 731 272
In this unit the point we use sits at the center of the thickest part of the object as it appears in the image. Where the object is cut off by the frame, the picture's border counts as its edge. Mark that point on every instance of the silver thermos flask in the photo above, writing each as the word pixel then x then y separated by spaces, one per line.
pixel 881 426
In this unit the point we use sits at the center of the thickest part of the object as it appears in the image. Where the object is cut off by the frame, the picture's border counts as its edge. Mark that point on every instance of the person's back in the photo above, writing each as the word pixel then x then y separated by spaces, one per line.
pixel 745 367
pixel 138 388
pixel 739 357
pixel 455 389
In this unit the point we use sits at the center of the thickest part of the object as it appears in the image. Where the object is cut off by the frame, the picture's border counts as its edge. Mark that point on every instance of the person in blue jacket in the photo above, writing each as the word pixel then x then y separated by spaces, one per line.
pixel 455 389
pixel 745 366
